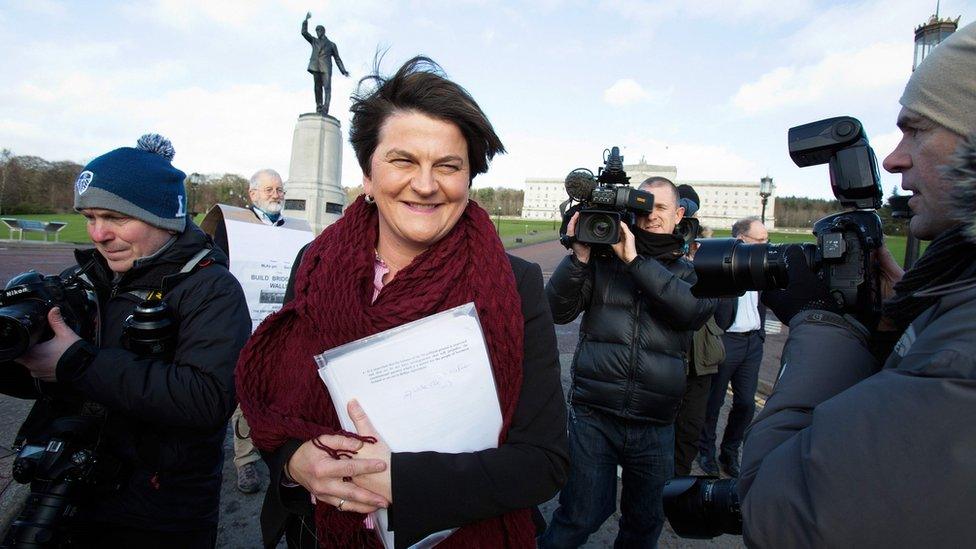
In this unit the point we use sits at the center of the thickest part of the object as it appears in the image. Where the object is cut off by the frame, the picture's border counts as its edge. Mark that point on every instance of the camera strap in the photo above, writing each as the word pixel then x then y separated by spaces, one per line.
pixel 195 263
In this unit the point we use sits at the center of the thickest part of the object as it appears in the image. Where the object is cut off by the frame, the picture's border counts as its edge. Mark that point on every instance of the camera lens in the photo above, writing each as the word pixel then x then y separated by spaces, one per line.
pixel 20 327
pixel 598 227
pixel 601 228
pixel 702 507
pixel 728 267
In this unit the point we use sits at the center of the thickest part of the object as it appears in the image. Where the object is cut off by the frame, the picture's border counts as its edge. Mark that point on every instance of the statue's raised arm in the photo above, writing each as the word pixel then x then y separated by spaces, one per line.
pixel 305 33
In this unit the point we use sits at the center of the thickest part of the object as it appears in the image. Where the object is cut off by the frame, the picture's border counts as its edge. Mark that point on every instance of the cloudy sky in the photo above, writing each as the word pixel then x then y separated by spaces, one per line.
pixel 710 86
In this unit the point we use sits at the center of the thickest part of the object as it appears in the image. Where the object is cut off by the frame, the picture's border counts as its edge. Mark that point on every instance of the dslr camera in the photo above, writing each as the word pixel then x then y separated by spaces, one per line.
pixel 842 255
pixel 705 507
pixel 25 302
pixel 604 201
pixel 59 456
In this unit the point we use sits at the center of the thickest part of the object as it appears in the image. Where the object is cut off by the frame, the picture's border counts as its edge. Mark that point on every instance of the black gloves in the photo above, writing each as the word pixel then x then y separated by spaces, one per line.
pixel 804 291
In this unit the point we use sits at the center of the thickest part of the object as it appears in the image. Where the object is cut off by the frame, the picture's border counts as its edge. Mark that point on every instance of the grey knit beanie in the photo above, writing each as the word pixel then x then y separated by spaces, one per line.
pixel 943 87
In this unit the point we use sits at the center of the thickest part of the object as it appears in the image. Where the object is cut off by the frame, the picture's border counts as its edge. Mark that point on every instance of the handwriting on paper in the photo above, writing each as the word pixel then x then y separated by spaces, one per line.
pixel 413 364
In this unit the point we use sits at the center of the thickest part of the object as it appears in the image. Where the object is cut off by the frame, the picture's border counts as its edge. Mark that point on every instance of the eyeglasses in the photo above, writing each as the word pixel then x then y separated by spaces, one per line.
pixel 752 240
pixel 272 192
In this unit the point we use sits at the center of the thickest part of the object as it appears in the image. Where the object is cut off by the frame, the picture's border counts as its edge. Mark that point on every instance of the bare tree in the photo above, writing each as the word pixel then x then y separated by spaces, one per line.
pixel 5 156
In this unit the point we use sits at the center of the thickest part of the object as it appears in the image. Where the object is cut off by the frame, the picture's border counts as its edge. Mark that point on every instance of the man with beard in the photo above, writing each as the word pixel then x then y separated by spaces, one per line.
pixel 267 194
pixel 639 316
pixel 868 438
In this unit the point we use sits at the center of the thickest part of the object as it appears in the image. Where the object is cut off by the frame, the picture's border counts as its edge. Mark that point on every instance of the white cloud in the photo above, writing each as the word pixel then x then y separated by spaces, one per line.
pixel 625 92
pixel 849 26
pixel 543 156
pixel 696 160
pixel 837 77
pixel 765 12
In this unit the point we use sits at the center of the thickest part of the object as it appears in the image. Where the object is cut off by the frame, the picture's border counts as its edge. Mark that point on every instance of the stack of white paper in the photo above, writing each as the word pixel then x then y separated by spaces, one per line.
pixel 426 386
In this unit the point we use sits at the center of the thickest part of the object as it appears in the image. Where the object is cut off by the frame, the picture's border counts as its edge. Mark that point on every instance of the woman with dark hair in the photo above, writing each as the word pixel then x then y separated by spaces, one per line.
pixel 412 246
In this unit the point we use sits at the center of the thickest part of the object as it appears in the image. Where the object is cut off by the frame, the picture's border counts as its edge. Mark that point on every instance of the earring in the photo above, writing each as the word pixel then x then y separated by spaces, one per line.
pixel 369 199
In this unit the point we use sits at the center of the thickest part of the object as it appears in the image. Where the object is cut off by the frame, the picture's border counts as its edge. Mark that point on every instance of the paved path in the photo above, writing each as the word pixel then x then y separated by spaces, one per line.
pixel 239 525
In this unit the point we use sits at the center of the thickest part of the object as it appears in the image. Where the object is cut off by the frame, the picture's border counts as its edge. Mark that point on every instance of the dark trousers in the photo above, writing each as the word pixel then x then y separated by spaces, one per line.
pixel 743 356
pixel 598 442
pixel 323 91
pixel 688 425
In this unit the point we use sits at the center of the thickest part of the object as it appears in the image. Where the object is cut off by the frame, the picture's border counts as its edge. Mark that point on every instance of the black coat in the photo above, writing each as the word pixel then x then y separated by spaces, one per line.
pixel 638 322
pixel 166 417
pixel 433 491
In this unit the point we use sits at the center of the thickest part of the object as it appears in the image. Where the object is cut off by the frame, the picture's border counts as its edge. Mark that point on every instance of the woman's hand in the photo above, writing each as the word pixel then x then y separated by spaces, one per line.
pixel 380 482
pixel 322 475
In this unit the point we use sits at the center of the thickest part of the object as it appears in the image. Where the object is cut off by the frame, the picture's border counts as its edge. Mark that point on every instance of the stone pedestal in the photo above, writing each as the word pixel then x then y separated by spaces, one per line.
pixel 314 187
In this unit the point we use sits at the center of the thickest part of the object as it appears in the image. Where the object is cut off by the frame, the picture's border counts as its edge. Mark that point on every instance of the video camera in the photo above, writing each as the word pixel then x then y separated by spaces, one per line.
pixel 842 255
pixel 605 200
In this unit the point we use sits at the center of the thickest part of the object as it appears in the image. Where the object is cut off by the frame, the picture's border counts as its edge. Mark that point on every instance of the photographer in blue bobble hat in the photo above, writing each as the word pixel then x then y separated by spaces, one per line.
pixel 133 385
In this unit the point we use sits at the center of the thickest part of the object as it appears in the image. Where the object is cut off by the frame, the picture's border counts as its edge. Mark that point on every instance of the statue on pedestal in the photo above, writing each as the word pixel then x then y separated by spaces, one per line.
pixel 320 64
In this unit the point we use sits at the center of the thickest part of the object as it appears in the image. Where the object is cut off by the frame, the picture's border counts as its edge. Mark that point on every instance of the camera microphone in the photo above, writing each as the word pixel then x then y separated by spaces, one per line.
pixel 580 184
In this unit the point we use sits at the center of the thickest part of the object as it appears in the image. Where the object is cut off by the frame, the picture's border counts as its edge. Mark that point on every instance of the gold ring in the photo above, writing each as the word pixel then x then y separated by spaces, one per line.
pixel 341 503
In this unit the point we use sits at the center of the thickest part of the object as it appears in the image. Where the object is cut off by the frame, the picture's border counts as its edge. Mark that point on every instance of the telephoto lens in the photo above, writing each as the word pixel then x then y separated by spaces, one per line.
pixel 702 507
pixel 728 267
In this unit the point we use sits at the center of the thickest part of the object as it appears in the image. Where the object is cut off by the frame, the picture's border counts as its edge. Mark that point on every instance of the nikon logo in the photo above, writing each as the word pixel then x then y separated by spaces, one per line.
pixel 17 291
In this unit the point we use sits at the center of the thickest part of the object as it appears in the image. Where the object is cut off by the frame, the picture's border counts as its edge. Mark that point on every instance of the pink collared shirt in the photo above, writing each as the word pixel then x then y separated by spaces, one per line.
pixel 380 269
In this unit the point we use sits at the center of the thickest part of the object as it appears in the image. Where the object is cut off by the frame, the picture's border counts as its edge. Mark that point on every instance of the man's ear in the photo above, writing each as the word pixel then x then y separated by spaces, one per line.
pixel 679 213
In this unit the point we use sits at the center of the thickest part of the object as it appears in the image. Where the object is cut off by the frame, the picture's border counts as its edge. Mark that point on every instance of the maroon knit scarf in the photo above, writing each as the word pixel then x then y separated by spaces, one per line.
pixel 281 393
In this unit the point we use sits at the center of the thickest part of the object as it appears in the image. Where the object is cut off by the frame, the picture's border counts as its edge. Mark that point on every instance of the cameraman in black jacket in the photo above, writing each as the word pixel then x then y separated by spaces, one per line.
pixel 628 372
pixel 164 415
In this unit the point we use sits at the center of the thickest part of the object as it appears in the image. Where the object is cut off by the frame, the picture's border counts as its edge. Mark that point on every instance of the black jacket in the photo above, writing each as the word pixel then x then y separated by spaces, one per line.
pixel 433 491
pixel 166 417
pixel 638 321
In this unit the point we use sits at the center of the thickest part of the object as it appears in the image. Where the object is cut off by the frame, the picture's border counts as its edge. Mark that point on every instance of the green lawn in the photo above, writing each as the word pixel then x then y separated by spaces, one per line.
pixel 519 232
pixel 74 232
pixel 529 231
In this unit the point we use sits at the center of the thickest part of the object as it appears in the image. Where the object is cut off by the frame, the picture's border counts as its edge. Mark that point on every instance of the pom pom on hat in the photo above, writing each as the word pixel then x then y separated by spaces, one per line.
pixel 155 143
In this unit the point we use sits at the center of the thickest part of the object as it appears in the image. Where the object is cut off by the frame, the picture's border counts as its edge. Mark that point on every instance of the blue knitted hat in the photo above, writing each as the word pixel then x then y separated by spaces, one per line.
pixel 139 182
